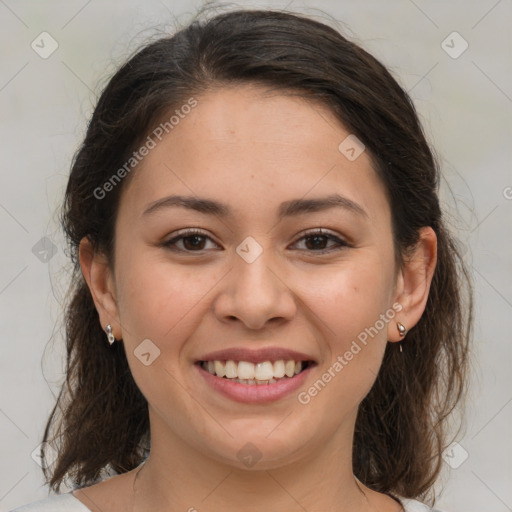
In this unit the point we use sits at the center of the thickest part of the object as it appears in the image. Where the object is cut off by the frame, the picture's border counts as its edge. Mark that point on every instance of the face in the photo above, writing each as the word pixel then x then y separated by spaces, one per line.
pixel 265 276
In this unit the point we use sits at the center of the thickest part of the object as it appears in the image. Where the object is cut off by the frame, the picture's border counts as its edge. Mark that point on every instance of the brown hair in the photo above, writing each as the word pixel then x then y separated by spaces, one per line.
pixel 401 429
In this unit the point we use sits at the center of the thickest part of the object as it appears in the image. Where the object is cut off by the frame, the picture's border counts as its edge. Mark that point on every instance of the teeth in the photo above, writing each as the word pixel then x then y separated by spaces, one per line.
pixel 245 370
pixel 250 373
pixel 231 370
pixel 264 371
pixel 220 369
pixel 289 368
pixel 279 369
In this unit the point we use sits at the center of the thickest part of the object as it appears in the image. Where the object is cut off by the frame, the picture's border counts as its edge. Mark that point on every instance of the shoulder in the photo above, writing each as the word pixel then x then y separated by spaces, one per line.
pixel 416 506
pixel 59 503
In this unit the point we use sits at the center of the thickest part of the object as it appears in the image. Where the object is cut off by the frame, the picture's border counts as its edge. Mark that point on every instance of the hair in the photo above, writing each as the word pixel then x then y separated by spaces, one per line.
pixel 403 424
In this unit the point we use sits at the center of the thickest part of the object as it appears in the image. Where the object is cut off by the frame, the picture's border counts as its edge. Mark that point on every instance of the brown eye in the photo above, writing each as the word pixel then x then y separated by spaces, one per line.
pixel 316 241
pixel 193 241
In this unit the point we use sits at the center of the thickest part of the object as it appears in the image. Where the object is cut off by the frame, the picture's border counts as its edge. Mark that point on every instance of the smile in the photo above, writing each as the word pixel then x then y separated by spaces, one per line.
pixel 247 382
pixel 245 372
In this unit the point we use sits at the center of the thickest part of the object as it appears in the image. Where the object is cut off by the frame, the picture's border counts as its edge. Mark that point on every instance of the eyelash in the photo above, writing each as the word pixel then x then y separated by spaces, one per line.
pixel 171 244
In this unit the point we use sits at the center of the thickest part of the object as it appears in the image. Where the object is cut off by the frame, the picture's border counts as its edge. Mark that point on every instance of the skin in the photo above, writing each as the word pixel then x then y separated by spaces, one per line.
pixel 252 150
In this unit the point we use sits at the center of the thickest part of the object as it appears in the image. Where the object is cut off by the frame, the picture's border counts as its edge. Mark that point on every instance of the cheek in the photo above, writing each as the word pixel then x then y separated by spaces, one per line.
pixel 359 316
pixel 161 301
pixel 160 306
pixel 350 305
pixel 350 298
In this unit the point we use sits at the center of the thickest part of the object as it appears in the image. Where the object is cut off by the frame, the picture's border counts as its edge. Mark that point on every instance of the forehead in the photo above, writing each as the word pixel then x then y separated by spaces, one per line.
pixel 246 145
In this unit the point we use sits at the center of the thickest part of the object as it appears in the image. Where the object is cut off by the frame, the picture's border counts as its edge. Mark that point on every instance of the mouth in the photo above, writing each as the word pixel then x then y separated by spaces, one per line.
pixel 246 375
pixel 254 374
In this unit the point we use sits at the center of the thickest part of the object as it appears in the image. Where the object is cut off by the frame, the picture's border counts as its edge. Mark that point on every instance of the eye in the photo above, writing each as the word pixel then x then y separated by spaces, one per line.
pixel 193 241
pixel 316 240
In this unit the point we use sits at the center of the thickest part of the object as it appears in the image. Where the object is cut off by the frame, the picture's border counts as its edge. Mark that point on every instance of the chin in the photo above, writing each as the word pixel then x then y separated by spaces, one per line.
pixel 259 452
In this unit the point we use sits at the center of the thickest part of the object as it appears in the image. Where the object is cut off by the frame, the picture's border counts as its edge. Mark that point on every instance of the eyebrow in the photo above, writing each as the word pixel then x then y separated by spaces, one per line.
pixel 286 209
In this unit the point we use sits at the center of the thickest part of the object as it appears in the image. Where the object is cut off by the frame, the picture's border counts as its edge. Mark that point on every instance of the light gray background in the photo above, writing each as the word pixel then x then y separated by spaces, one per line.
pixel 465 104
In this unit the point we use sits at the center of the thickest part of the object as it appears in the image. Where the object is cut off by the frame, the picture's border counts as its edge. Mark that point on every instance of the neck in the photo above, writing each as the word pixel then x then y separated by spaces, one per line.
pixel 176 477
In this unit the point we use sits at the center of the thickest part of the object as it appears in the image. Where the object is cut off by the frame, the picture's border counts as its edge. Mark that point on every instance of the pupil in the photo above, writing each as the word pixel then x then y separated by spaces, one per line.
pixel 317 238
pixel 196 238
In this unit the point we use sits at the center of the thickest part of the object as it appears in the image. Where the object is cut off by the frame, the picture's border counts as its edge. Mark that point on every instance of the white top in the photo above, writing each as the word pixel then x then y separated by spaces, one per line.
pixel 58 503
pixel 68 503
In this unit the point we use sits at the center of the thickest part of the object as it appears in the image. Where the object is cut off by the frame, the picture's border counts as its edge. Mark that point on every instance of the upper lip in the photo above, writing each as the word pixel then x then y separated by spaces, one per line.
pixel 255 356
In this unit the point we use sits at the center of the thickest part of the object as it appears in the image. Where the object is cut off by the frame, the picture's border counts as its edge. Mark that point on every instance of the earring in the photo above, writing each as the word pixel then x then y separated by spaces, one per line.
pixel 110 336
pixel 401 330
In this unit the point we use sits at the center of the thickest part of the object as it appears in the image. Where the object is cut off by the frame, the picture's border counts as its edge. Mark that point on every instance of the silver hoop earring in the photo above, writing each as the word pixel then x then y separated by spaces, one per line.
pixel 110 336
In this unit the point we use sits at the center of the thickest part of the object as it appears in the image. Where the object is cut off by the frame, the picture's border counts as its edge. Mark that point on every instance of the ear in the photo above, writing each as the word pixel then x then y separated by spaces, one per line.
pixel 101 284
pixel 413 283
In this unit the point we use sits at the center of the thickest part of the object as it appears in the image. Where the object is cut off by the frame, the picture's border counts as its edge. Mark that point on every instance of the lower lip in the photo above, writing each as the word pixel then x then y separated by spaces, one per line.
pixel 254 393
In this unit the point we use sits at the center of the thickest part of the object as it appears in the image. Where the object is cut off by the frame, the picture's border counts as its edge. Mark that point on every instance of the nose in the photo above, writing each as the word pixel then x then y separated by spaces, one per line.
pixel 255 293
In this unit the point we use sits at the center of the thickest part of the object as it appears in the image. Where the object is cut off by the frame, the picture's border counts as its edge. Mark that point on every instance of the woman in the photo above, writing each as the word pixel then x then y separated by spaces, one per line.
pixel 268 312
